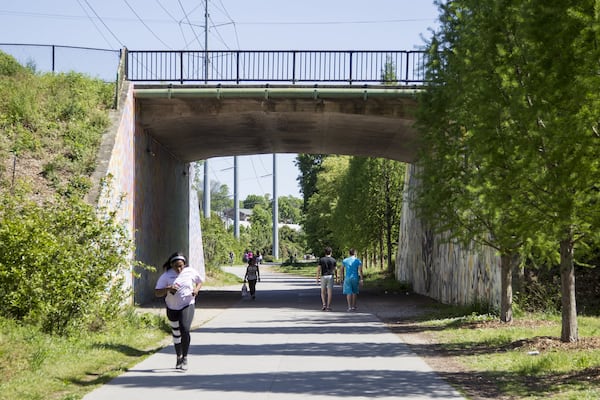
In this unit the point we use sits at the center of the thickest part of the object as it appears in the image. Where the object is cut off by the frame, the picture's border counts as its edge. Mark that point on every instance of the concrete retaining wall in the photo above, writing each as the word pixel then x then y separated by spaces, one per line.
pixel 152 191
pixel 443 271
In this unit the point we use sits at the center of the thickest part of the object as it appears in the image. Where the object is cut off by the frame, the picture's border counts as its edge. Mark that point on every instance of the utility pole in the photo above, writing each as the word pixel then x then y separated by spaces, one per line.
pixel 275 211
pixel 205 41
pixel 206 194
pixel 236 200
pixel 206 200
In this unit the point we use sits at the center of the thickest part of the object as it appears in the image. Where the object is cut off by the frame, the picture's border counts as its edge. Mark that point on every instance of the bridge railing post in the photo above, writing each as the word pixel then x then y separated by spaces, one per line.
pixel 294 67
pixel 181 67
pixel 237 66
pixel 350 67
pixel 407 65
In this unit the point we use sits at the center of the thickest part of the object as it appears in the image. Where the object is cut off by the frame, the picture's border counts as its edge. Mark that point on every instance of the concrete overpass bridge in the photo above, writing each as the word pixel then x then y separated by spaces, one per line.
pixel 183 106
pixel 196 123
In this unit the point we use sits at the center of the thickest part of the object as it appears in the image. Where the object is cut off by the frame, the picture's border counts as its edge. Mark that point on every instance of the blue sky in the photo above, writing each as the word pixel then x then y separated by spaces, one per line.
pixel 233 24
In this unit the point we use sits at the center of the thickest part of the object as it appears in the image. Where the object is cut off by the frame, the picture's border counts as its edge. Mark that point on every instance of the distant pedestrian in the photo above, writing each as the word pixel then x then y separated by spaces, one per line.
pixel 231 257
pixel 353 278
pixel 179 284
pixel 252 276
pixel 327 275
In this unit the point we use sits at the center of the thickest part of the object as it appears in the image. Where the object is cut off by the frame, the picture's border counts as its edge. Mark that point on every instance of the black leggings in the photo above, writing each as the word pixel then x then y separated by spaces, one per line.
pixel 252 285
pixel 181 324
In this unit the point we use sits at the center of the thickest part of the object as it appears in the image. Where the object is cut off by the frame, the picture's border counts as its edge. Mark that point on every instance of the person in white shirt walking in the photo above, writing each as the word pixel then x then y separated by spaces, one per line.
pixel 327 275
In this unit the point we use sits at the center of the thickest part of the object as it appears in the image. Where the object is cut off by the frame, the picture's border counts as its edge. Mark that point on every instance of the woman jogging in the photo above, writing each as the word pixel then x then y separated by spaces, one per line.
pixel 179 284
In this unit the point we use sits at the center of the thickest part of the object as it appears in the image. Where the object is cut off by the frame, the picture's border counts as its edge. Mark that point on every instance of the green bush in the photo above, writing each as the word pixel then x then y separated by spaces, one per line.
pixel 60 264
pixel 9 65
pixel 217 242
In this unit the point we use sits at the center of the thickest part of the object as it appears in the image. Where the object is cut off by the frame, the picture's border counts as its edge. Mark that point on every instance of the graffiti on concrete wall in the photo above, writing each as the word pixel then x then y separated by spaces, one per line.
pixel 439 268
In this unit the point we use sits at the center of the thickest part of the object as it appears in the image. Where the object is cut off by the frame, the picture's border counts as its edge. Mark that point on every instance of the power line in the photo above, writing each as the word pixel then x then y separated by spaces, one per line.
pixel 186 17
pixel 178 22
pixel 94 23
pixel 218 34
pixel 381 21
pixel 145 25
pixel 224 10
pixel 375 21
pixel 106 26
pixel 256 176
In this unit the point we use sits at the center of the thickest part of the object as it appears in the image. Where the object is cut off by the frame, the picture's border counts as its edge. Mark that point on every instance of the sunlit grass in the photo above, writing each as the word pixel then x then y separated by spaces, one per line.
pixel 35 365
pixel 525 358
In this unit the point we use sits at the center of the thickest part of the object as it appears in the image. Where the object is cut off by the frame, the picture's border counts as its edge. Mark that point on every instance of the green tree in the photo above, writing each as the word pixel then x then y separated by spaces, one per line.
pixel 469 168
pixel 389 75
pixel 260 230
pixel 509 120
pixel 309 166
pixel 253 200
pixel 318 224
pixel 377 182
pixel 559 93
pixel 216 241
pixel 221 199
pixel 290 209
pixel 291 242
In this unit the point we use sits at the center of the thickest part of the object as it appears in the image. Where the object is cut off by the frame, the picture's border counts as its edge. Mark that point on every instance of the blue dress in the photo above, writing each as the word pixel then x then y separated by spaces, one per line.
pixel 351 279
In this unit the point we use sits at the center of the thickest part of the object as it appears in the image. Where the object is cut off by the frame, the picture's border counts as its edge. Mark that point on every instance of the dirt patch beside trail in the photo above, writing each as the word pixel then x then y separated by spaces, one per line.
pixel 398 312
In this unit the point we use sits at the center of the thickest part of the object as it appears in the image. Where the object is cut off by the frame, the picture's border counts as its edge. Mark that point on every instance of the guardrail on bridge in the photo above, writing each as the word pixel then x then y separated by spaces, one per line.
pixel 398 67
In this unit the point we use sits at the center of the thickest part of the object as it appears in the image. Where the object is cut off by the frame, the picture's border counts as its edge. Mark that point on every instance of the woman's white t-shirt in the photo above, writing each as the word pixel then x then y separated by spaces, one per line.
pixel 186 281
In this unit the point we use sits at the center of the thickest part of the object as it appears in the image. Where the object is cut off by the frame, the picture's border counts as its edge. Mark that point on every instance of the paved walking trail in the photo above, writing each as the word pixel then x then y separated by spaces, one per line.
pixel 282 346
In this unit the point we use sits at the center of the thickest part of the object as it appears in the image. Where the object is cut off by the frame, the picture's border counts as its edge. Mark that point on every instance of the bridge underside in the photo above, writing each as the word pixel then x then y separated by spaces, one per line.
pixel 195 123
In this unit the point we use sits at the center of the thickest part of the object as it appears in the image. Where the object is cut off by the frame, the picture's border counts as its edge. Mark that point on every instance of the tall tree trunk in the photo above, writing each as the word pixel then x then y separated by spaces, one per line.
pixel 569 332
pixel 381 251
pixel 507 263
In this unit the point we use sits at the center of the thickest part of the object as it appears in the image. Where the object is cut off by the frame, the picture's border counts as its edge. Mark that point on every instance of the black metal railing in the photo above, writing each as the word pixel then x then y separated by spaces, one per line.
pixel 292 66
pixel 397 67
pixel 95 62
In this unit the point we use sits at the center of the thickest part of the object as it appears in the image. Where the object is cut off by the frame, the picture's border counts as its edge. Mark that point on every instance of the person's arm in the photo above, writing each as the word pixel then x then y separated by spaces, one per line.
pixel 318 272
pixel 360 274
pixel 162 288
pixel 197 288
pixel 257 273
pixel 164 291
